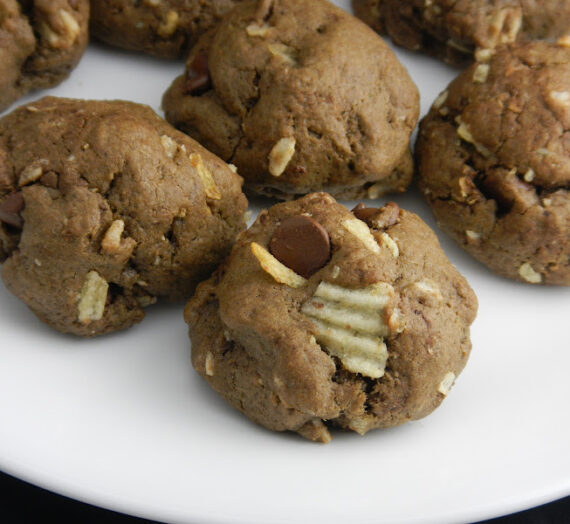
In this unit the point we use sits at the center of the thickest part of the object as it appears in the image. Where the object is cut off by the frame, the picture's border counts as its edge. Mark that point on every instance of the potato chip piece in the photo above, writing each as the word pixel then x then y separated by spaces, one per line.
pixel 276 269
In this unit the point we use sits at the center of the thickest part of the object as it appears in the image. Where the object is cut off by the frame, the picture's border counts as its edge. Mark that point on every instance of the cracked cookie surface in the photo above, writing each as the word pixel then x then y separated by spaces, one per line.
pixel 370 337
pixel 163 28
pixel 105 207
pixel 494 161
pixel 454 31
pixel 299 100
pixel 41 42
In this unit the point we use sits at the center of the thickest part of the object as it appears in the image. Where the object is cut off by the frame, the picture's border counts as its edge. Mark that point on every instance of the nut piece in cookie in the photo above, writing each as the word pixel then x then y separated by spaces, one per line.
pixel 163 28
pixel 299 100
pixel 92 229
pixel 460 30
pixel 364 339
pixel 41 42
pixel 494 162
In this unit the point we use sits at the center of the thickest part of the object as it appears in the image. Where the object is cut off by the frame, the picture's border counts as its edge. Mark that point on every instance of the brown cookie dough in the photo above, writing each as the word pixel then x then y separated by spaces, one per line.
pixel 104 207
pixel 373 336
pixel 299 100
pixel 41 41
pixel 494 161
pixel 454 31
pixel 164 28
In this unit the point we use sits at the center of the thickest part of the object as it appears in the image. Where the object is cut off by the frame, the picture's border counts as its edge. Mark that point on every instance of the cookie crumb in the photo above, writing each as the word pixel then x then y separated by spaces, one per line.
pixel 527 272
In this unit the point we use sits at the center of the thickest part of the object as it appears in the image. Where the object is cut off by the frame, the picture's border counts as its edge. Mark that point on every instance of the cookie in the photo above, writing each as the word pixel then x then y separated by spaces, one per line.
pixel 493 158
pixel 454 31
pixel 41 42
pixel 299 99
pixel 353 320
pixel 104 207
pixel 163 28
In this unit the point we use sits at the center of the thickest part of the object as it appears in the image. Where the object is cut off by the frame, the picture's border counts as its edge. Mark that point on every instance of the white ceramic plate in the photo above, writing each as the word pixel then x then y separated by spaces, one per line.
pixel 124 422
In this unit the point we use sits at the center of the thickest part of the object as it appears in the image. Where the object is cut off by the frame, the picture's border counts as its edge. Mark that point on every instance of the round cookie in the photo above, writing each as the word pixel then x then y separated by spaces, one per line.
pixel 493 158
pixel 163 28
pixel 104 207
pixel 42 41
pixel 454 31
pixel 299 100
pixel 372 336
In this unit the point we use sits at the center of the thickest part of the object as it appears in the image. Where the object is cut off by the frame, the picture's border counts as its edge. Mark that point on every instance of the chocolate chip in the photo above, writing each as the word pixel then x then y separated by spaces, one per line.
pixel 10 209
pixel 302 244
pixel 198 75
pixel 379 218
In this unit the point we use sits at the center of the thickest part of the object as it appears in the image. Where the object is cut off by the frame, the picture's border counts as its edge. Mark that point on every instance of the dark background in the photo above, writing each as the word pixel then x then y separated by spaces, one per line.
pixel 23 503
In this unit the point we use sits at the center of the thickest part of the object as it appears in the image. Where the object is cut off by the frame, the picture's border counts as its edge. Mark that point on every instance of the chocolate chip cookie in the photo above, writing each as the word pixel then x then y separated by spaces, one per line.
pixel 454 31
pixel 41 41
pixel 164 28
pixel 494 161
pixel 104 207
pixel 299 99
pixel 353 320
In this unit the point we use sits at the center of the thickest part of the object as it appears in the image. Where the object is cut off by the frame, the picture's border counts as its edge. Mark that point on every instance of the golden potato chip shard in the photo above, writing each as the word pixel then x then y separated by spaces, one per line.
pixel 92 298
pixel 375 296
pixel 481 73
pixel 390 243
pixel 350 324
pixel 530 274
pixel 465 134
pixel 280 155
pixel 169 144
pixel 209 364
pixel 358 353
pixel 360 230
pixel 276 269
pixel 169 24
pixel 72 28
pixel 254 29
pixel 337 314
pixel 111 242
pixel 287 53
pixel 446 384
pixel 440 100
pixel 210 187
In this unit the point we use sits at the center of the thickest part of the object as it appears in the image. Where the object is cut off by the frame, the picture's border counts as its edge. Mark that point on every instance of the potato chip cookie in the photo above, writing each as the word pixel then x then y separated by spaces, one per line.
pixel 455 31
pixel 494 161
pixel 299 99
pixel 41 41
pixel 163 28
pixel 104 208
pixel 352 320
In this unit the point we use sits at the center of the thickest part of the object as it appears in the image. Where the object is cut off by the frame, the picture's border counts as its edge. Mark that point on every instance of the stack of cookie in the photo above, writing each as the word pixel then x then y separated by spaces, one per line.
pixel 316 316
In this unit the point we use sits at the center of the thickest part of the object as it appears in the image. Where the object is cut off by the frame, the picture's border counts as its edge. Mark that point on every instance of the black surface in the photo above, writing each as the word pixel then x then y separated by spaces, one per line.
pixel 21 502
